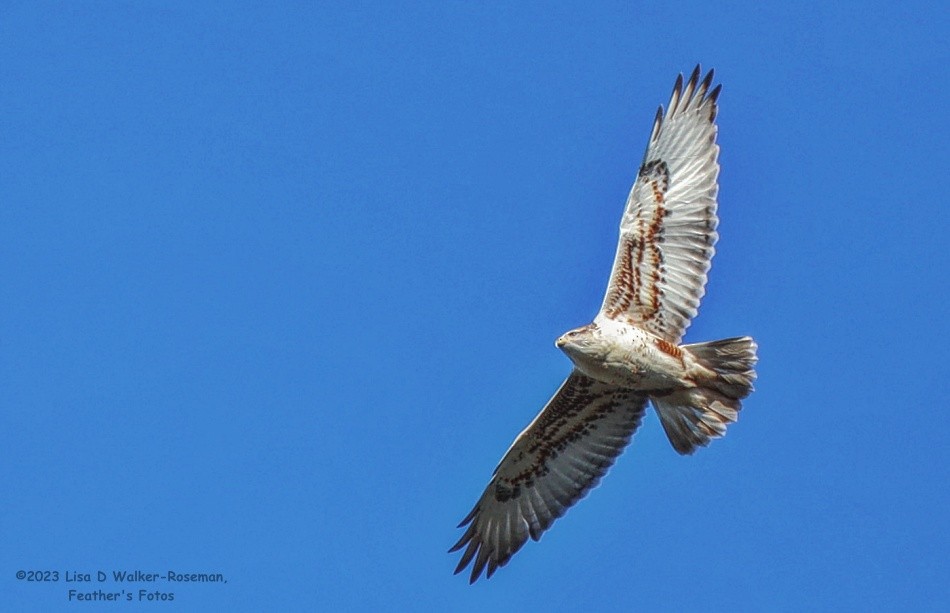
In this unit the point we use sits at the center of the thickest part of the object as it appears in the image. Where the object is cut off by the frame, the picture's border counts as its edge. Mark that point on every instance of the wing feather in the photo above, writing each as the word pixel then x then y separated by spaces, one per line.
pixel 668 230
pixel 558 458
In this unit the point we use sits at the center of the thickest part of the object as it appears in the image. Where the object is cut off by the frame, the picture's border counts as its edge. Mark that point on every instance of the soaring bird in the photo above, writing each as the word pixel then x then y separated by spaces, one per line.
pixel 631 352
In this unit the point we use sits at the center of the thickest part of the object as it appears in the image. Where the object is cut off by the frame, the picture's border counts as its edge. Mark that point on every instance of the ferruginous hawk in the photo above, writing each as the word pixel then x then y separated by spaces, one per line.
pixel 631 352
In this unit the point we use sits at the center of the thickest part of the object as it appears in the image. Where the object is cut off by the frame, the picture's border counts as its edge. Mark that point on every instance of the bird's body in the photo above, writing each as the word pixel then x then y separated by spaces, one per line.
pixel 631 353
pixel 622 354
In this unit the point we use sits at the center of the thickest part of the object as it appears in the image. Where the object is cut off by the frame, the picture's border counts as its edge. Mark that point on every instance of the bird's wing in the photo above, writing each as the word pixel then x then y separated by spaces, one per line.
pixel 558 458
pixel 669 225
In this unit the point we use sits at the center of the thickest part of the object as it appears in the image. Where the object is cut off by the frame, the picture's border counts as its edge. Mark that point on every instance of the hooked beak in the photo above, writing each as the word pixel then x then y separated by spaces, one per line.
pixel 560 342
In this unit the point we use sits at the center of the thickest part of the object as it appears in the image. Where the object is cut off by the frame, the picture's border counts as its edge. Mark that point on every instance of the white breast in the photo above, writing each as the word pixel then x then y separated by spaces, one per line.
pixel 630 357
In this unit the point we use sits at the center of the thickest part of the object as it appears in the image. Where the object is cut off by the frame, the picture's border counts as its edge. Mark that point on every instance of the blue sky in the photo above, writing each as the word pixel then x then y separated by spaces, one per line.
pixel 280 285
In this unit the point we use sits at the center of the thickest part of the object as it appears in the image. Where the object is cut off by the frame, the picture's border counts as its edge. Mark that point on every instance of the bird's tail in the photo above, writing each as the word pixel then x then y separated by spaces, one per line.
pixel 694 416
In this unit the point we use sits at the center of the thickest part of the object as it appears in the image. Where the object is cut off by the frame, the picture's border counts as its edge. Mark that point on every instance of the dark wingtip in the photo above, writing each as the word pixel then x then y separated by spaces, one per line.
pixel 714 94
pixel 476 575
pixel 466 558
pixel 476 572
pixel 469 553
pixel 469 517
pixel 467 536
pixel 708 80
pixel 480 561
pixel 676 96
pixel 657 123
pixel 694 78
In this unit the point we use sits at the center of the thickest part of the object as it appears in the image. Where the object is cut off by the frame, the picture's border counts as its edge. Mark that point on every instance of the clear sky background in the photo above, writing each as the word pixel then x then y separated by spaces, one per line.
pixel 279 286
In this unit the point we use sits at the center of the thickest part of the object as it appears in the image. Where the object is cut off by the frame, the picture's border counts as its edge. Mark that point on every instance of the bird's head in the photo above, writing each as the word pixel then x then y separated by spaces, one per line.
pixel 581 340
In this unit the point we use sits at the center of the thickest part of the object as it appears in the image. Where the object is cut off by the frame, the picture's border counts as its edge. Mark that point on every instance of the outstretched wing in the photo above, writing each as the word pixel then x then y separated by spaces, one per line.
pixel 558 458
pixel 669 225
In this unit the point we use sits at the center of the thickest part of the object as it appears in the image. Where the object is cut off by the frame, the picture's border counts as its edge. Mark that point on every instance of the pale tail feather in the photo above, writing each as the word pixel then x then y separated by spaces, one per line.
pixel 693 417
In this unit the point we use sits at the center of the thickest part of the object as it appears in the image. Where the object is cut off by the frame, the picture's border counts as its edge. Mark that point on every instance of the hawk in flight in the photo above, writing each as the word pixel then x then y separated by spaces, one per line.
pixel 631 352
